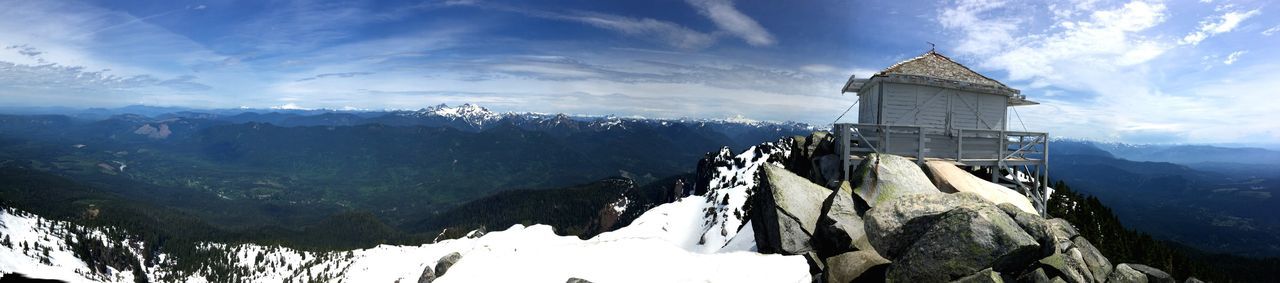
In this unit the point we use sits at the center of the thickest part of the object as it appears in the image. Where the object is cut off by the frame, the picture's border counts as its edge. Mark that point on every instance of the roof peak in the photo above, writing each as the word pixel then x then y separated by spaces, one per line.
pixel 935 65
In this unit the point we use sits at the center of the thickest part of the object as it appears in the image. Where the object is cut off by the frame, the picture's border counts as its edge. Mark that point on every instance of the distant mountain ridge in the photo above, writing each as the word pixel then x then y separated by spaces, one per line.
pixel 467 116
pixel 1188 154
pixel 1213 206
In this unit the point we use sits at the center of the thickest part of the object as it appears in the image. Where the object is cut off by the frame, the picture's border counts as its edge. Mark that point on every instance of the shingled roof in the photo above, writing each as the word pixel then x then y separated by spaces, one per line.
pixel 934 65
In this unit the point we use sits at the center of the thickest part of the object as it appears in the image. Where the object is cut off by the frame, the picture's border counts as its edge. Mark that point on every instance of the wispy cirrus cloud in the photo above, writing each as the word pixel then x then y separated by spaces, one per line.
pixel 729 19
pixel 722 13
pixel 335 75
pixel 1218 24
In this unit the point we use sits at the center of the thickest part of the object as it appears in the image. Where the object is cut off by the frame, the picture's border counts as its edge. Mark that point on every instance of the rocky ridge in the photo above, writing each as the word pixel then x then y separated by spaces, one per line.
pixel 894 223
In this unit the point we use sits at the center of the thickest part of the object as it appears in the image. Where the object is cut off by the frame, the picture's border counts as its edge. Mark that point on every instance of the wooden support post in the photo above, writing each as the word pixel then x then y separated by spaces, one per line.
pixel 846 143
pixel 1000 136
pixel 960 145
pixel 920 146
pixel 885 131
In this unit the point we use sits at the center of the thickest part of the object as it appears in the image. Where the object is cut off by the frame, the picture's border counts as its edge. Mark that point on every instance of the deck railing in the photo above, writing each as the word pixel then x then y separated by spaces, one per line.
pixel 1016 152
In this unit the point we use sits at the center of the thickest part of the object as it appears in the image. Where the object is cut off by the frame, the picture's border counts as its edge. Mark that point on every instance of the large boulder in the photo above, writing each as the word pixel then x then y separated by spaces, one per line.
pixel 1098 265
pixel 1034 225
pixel 1079 256
pixel 940 237
pixel 893 227
pixel 807 156
pixel 827 170
pixel 950 179
pixel 1153 275
pixel 839 228
pixel 985 276
pixel 856 266
pixel 1034 276
pixel 883 177
pixel 1125 274
pixel 1069 265
pixel 785 212
pixel 445 262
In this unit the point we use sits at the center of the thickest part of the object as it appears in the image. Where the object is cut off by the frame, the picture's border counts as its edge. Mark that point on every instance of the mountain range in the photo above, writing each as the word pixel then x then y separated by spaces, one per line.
pixel 325 180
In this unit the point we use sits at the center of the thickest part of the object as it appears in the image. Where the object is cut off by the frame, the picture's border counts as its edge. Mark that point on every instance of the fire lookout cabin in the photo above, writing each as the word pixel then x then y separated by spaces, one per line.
pixel 932 108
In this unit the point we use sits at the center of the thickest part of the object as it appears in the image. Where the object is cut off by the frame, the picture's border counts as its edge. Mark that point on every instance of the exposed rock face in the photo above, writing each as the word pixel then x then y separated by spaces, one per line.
pixel 445 262
pixel 1125 274
pixel 856 266
pixel 1035 276
pixel 1153 275
pixel 895 225
pixel 950 179
pixel 1075 256
pixel 839 228
pixel 787 211
pixel 427 275
pixel 154 132
pixel 893 228
pixel 1070 264
pixel 941 237
pixel 882 177
pixel 814 158
pixel 985 276
pixel 1033 225
pixel 1098 265
pixel 828 171
pixel 577 280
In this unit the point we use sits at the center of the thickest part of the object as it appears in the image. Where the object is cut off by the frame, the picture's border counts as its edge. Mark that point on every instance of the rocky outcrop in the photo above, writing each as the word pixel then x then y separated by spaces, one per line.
pixel 1125 274
pixel 160 132
pixel 814 158
pixel 445 262
pixel 427 275
pixel 942 237
pixel 1153 275
pixel 950 179
pixel 891 223
pixel 985 276
pixel 883 177
pixel 787 211
pixel 1075 256
pixel 839 228
pixel 856 266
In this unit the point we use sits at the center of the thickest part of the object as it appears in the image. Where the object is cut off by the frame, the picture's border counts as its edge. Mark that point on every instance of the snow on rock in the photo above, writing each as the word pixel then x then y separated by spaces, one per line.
pixel 696 238
pixel 470 113
pixel 730 183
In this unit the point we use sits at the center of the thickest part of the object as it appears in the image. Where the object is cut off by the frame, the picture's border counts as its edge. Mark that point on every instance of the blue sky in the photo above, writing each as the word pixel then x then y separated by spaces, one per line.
pixel 1134 71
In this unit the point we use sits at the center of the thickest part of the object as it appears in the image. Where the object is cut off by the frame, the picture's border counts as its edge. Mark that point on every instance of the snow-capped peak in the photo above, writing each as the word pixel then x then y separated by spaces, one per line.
pixel 470 113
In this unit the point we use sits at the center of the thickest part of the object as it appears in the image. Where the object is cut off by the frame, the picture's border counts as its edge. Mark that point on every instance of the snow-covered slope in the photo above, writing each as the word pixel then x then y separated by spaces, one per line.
pixel 697 238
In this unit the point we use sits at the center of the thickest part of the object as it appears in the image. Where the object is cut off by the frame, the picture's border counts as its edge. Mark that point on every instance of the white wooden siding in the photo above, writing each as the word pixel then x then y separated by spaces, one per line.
pixel 867 105
pixel 928 106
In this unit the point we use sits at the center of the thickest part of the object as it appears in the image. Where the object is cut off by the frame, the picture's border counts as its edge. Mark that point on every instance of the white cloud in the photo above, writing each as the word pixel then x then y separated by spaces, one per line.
pixel 1108 74
pixel 728 18
pixel 983 35
pixel 1222 24
pixel 1270 31
pixel 818 68
pixel 1233 57
pixel 667 32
